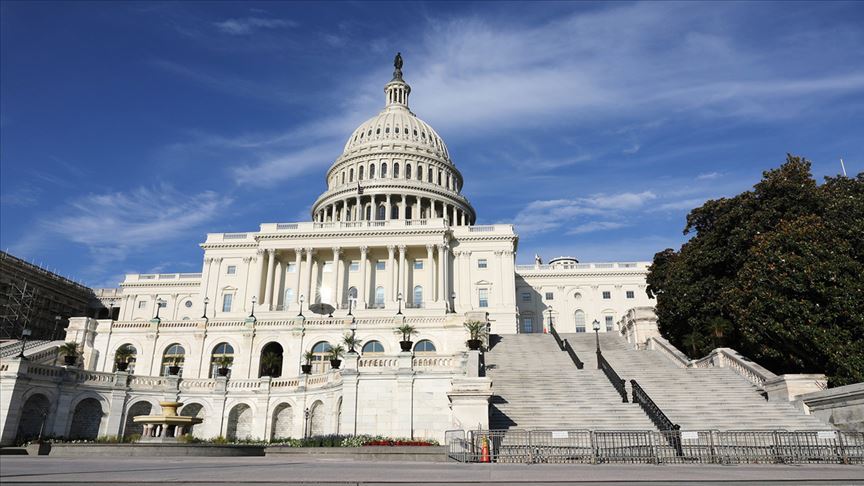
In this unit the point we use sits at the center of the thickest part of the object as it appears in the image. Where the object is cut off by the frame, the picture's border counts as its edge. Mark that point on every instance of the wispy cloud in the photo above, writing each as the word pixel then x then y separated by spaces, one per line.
pixel 248 25
pixel 595 213
pixel 707 176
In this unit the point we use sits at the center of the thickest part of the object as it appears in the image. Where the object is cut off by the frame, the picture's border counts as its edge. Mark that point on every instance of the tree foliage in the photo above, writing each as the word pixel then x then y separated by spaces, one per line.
pixel 776 273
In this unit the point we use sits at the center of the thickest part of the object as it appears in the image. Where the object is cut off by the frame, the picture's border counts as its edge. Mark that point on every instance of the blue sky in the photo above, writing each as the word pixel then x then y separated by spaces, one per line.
pixel 130 130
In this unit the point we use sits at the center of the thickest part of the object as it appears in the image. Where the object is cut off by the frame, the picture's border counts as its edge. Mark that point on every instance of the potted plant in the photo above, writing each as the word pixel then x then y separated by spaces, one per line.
pixel 224 363
pixel 174 369
pixel 406 331
pixel 476 333
pixel 271 364
pixel 307 368
pixel 69 351
pixel 122 356
pixel 336 352
pixel 350 340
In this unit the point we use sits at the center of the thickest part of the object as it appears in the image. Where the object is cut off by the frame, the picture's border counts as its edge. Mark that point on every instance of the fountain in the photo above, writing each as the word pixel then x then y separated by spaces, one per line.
pixel 168 427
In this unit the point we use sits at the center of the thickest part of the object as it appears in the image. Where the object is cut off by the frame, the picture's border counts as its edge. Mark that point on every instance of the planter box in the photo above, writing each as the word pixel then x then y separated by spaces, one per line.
pixel 154 450
pixel 366 453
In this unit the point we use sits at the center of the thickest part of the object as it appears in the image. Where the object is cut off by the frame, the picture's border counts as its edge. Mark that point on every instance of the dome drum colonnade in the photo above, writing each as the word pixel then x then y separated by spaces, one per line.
pixel 394 166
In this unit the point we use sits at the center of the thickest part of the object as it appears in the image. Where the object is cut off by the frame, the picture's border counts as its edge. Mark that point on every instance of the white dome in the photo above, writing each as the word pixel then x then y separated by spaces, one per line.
pixel 396 123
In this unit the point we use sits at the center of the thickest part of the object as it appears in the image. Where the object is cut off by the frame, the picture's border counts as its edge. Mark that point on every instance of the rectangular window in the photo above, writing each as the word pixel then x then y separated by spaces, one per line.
pixel 226 302
pixel 527 324
pixel 418 264
pixel 484 297
pixel 289 297
pixel 580 328
pixel 142 304
pixel 292 268
pixel 526 296
pixel 380 265
pixel 328 267
pixel 354 267
pixel 550 296
pixel 481 263
pixel 163 304
pixel 631 294
pixel 609 323
pixel 231 270
pixel 607 295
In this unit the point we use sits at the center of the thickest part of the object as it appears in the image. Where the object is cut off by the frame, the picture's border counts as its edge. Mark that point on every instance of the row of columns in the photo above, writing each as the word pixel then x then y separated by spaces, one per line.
pixel 274 271
pixel 421 208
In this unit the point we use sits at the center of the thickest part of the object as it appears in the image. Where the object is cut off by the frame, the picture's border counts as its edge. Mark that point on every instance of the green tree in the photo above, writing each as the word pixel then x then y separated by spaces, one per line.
pixel 776 273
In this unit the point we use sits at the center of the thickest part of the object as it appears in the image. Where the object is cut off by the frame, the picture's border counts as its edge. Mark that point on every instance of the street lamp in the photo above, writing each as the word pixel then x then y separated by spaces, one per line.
pixel 453 302
pixel 350 305
pixel 159 304
pixel 57 320
pixel 252 314
pixel 301 306
pixel 596 325
pixel 550 318
pixel 399 299
pixel 306 414
pixel 206 301
pixel 353 333
pixel 25 333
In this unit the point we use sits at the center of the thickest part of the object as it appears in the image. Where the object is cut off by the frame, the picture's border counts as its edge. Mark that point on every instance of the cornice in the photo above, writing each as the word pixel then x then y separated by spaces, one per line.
pixel 581 274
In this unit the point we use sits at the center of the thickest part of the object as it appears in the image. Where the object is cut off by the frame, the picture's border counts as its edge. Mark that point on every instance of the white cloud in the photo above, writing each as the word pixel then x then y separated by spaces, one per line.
pixel 248 25
pixel 707 176
pixel 631 149
pixel 595 213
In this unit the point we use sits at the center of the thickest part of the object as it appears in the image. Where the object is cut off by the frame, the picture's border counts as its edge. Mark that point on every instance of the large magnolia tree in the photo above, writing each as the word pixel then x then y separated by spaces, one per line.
pixel 776 273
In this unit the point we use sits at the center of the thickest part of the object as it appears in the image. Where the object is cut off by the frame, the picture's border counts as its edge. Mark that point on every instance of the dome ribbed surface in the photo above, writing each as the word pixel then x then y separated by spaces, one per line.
pixel 396 124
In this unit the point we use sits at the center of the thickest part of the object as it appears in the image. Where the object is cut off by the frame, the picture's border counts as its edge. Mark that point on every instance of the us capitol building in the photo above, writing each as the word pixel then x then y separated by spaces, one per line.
pixel 392 241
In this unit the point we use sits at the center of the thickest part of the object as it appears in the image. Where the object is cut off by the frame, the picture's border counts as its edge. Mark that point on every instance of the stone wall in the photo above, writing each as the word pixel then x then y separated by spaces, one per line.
pixel 842 407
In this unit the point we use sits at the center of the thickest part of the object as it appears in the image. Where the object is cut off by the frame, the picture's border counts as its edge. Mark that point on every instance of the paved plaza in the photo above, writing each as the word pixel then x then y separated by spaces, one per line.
pixel 277 470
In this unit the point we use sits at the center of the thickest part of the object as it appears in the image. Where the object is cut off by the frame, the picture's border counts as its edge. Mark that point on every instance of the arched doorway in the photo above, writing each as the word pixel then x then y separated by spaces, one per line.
pixel 34 413
pixel 86 420
pixel 140 408
pixel 283 421
pixel 192 410
pixel 316 419
pixel 239 422
pixel 271 360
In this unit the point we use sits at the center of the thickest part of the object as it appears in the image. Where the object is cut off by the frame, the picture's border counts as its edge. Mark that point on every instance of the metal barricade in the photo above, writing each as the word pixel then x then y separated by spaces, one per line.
pixel 851 447
pixel 561 446
pixel 457 447
pixel 630 446
pixel 684 446
pixel 747 447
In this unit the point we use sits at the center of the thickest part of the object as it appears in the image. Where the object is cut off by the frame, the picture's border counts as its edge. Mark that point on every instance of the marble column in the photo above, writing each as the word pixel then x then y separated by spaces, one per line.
pixel 429 294
pixel 308 290
pixel 298 260
pixel 362 295
pixel 334 291
pixel 390 290
pixel 400 277
pixel 439 295
pixel 259 273
pixel 271 269
pixel 359 210
pixel 387 211
pixel 446 286
pixel 402 205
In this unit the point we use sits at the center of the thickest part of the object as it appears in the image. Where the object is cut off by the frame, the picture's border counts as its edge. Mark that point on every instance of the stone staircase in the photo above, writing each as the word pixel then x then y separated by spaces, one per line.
pixel 694 398
pixel 536 386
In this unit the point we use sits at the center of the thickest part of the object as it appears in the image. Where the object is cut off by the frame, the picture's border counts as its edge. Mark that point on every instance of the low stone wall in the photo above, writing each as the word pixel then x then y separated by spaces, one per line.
pixel 842 407
pixel 154 450
pixel 366 453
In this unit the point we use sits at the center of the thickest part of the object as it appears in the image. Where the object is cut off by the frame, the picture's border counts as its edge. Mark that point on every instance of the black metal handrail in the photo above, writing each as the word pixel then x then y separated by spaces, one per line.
pixel 657 416
pixel 565 346
pixel 610 373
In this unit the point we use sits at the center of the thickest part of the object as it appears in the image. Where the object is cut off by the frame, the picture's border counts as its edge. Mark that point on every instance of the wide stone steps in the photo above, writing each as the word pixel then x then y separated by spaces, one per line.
pixel 536 386
pixel 695 398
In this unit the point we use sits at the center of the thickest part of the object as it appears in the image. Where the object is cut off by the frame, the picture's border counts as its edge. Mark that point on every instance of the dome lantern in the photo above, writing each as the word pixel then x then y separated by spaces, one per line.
pixel 397 90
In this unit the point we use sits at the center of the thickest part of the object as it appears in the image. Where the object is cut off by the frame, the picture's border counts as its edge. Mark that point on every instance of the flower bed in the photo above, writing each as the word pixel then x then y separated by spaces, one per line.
pixel 401 442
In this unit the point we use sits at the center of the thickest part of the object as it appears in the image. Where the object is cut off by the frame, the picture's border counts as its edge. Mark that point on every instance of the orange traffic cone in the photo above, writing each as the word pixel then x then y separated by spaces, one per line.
pixel 484 450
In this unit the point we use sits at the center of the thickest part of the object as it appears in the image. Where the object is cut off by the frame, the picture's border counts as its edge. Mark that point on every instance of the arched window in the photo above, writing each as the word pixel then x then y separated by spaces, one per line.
pixel 379 297
pixel 381 213
pixel 395 170
pixel 352 296
pixel 407 171
pixel 424 346
pixel 419 172
pixel 343 177
pixel 174 355
pixel 321 357
pixel 439 178
pixel 126 354
pixel 394 212
pixel 580 320
pixel 418 296
pixel 368 212
pixel 271 360
pixel 429 176
pixel 351 175
pixel 372 171
pixel 360 173
pixel 222 357
pixel 373 347
pixel 383 170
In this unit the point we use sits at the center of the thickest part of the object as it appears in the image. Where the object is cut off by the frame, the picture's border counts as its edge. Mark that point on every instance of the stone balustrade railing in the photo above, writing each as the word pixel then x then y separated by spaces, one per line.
pixel 729 358
pixel 139 277
pixel 284 323
pixel 667 349
pixel 581 266
pixel 309 226
pixel 440 362
pixel 377 362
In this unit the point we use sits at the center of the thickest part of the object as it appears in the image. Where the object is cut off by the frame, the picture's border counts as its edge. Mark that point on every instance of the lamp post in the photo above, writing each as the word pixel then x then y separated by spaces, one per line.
pixel 453 302
pixel 596 325
pixel 25 333
pixel 550 318
pixel 399 300
pixel 252 314
pixel 206 301
pixel 353 333
pixel 57 320
pixel 306 414
pixel 159 304
pixel 301 306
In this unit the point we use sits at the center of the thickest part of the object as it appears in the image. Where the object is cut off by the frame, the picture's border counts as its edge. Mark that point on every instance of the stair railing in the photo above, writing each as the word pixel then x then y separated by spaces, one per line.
pixel 672 431
pixel 564 345
pixel 610 373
